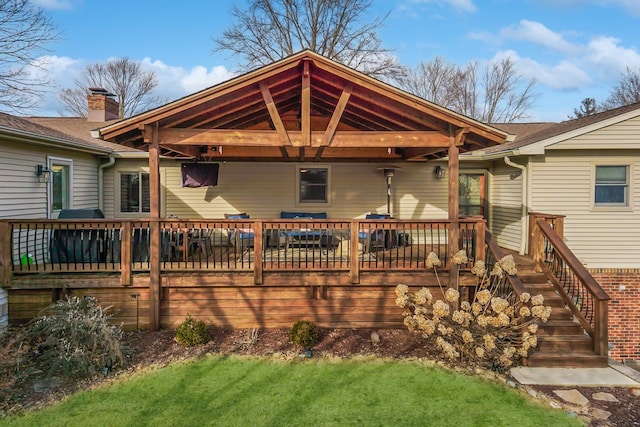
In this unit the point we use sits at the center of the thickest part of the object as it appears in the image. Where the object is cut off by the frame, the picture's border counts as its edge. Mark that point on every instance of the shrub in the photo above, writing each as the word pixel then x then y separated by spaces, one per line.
pixel 493 330
pixel 303 333
pixel 192 332
pixel 75 339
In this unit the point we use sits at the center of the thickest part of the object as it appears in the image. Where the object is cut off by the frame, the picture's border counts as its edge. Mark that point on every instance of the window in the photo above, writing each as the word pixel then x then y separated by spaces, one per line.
pixel 134 192
pixel 612 186
pixel 313 185
pixel 60 186
pixel 471 192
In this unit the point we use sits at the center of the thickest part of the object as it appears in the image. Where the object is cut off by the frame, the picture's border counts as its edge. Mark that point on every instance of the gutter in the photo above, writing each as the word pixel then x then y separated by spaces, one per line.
pixel 523 213
pixel 101 168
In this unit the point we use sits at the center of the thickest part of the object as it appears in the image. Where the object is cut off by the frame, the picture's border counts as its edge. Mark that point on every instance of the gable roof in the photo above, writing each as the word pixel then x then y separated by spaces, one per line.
pixel 20 129
pixel 541 135
pixel 82 129
pixel 303 107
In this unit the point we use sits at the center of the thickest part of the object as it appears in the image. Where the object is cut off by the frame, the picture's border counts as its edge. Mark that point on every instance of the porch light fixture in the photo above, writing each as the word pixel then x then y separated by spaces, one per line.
pixel 43 173
pixel 438 172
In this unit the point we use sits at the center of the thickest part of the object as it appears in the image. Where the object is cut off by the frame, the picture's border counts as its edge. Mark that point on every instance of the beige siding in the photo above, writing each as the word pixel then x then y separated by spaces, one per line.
pixel 23 196
pixel 505 201
pixel 622 135
pixel 263 190
pixel 601 238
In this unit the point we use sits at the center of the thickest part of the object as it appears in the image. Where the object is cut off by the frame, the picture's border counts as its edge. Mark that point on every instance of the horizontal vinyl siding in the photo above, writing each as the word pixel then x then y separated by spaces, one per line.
pixel 599 238
pixel 624 135
pixel 505 199
pixel 265 189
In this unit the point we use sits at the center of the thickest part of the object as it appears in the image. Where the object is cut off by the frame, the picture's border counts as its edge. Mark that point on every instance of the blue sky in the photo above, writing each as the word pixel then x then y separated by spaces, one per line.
pixel 574 48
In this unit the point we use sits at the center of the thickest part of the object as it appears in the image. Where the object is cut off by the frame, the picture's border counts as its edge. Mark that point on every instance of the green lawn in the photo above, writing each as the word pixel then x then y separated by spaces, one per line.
pixel 235 391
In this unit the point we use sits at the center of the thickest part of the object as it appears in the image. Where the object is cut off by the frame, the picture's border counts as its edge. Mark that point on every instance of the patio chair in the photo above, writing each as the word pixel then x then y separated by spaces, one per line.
pixel 371 236
pixel 299 237
pixel 242 238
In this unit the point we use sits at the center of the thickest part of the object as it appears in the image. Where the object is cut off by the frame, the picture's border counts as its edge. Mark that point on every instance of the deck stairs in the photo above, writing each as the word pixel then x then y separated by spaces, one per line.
pixel 562 342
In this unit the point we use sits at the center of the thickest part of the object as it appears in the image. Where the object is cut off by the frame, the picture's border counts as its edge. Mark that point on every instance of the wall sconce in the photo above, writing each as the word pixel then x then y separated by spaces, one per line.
pixel 43 173
pixel 438 172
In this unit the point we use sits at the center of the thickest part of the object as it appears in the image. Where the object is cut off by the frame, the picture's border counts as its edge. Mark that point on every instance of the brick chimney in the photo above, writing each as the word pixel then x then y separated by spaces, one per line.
pixel 102 106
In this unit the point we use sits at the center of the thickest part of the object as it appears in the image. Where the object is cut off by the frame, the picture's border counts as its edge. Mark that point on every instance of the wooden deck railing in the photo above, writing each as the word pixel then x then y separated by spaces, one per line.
pixel 508 287
pixel 242 245
pixel 579 290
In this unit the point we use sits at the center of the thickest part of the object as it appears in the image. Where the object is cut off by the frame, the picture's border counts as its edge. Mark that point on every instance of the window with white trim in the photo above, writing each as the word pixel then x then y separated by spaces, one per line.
pixel 313 184
pixel 134 192
pixel 611 185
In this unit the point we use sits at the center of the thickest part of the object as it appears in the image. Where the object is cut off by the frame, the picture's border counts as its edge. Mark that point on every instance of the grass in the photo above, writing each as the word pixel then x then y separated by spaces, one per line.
pixel 235 391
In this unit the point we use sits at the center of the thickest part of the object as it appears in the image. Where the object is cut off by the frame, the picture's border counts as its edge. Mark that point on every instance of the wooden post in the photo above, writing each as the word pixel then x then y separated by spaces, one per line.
pixel 454 205
pixel 354 263
pixel 481 230
pixel 151 133
pixel 5 253
pixel 601 335
pixel 258 238
pixel 125 253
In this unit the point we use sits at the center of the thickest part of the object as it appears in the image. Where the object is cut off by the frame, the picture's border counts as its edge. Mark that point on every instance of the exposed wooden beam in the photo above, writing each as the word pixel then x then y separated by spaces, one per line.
pixel 337 114
pixel 305 119
pixel 273 113
pixel 186 150
pixel 418 153
pixel 285 153
pixel 259 138
pixel 319 154
pixel 301 154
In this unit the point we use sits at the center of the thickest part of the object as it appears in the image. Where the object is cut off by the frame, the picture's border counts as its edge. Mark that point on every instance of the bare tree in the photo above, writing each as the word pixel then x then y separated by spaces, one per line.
pixel 269 30
pixel 626 92
pixel 24 34
pixel 499 95
pixel 123 77
pixel 587 107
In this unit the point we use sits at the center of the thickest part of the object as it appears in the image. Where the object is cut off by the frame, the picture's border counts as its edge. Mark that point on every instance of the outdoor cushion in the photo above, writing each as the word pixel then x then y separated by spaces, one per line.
pixel 294 215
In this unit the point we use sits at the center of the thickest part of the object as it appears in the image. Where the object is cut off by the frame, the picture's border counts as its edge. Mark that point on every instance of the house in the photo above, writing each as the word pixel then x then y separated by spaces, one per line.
pixel 50 164
pixel 252 203
pixel 588 171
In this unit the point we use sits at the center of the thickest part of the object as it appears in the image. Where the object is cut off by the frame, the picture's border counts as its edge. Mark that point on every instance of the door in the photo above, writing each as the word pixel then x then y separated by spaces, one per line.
pixel 60 194
pixel 472 194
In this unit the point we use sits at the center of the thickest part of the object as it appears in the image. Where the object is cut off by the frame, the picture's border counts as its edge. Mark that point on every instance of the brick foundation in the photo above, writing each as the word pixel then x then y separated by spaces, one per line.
pixel 623 286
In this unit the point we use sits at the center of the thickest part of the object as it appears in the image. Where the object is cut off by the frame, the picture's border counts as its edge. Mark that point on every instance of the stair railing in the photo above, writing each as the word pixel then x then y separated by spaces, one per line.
pixel 509 287
pixel 579 290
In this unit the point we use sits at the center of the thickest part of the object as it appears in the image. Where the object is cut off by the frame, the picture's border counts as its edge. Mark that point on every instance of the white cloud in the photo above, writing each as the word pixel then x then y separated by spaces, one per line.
pixel 610 58
pixel 55 4
pixel 537 33
pixel 173 82
pixel 460 5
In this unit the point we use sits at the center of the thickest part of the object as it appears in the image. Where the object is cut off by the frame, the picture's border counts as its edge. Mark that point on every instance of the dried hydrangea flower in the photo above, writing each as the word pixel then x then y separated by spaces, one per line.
pixel 467 336
pixel 479 269
pixel 403 301
pixel 508 264
pixel 541 312
pixel 524 311
pixel 423 296
pixel 497 270
pixel 479 351
pixel 442 329
pixel 432 261
pixel 458 317
pixel 476 308
pixel 460 257
pixel 402 290
pixel 465 306
pixel 484 296
pixel 537 300
pixel 499 305
pixel 428 327
pixel 452 295
pixel 489 341
pixel 525 297
pixel 533 328
pixel 440 309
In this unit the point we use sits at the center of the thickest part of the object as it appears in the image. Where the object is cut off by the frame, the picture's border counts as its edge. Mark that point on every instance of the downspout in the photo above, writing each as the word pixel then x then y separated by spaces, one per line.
pixel 101 169
pixel 523 213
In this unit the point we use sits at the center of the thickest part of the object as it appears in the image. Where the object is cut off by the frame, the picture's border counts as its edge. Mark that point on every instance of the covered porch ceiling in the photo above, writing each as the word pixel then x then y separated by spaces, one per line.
pixel 304 108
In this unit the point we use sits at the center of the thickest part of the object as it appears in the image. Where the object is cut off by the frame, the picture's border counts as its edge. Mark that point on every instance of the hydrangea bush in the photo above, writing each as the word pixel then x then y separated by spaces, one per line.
pixel 492 330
